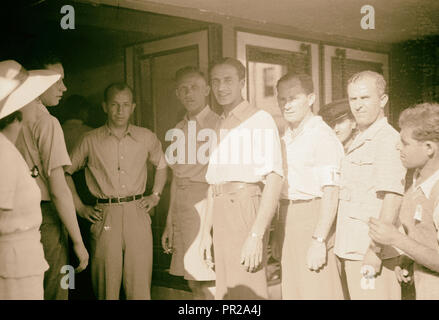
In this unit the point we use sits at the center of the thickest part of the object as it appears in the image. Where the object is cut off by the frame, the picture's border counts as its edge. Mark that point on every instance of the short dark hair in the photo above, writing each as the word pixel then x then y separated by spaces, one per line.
pixel 182 72
pixel 116 86
pixel 235 63
pixel 302 79
pixel 6 121
pixel 41 59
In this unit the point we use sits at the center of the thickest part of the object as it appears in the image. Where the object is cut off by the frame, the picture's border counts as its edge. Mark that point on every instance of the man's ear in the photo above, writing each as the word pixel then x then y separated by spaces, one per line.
pixel 242 83
pixel 133 107
pixel 383 100
pixel 311 99
pixel 432 148
pixel 104 107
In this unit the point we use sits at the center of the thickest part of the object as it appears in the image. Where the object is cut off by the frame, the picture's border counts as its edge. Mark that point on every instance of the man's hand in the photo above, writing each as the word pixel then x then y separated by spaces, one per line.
pixel 382 232
pixel 404 271
pixel 82 255
pixel 205 250
pixel 92 214
pixel 316 257
pixel 372 260
pixel 251 253
pixel 168 238
pixel 149 202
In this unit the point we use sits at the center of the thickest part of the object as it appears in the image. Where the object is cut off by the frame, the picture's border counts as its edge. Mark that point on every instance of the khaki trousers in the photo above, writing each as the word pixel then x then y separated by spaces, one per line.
pixel 384 287
pixel 298 282
pixel 54 238
pixel 233 217
pixel 121 252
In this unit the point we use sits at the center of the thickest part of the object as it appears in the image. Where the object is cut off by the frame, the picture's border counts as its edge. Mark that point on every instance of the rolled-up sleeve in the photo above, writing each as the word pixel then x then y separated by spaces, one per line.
pixel 79 155
pixel 389 171
pixel 328 156
pixel 156 155
pixel 268 144
pixel 51 144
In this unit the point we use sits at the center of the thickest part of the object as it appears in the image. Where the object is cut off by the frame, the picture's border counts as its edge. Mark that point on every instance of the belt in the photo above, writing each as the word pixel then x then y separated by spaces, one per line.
pixel 231 187
pixel 119 200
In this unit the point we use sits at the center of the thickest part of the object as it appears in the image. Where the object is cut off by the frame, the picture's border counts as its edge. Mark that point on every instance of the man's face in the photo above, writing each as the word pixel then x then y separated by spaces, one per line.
pixel 365 102
pixel 344 128
pixel 413 153
pixel 226 85
pixel 294 103
pixel 119 107
pixel 53 95
pixel 192 91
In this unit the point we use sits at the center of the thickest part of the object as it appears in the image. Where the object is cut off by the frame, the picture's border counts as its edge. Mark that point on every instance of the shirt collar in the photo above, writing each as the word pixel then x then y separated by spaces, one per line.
pixel 241 111
pixel 201 117
pixel 370 132
pixel 311 123
pixel 129 132
pixel 427 185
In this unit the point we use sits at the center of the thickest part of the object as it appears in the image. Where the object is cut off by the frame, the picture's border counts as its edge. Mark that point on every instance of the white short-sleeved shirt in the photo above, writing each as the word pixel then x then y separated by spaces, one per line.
pixel 312 159
pixel 248 147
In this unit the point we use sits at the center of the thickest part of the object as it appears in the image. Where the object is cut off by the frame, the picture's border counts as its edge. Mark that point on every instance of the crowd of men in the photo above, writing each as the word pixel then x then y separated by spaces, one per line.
pixel 332 184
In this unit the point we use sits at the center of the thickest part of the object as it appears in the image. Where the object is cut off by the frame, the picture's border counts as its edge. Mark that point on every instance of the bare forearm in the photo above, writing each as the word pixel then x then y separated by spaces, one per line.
pixel 206 224
pixel 328 211
pixel 268 203
pixel 159 180
pixel 389 210
pixel 420 253
pixel 63 201
pixel 76 199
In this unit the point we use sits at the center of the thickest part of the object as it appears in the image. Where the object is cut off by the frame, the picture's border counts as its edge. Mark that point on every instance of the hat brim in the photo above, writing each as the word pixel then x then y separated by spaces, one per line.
pixel 35 85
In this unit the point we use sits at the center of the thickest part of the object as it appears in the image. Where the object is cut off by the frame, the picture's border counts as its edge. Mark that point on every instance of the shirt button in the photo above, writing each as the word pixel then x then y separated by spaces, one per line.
pixel 122 171
pixel 121 157
pixel 123 186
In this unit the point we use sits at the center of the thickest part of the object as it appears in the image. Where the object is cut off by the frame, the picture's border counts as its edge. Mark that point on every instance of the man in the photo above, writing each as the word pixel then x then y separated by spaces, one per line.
pixel 74 127
pixel 41 142
pixel 115 160
pixel 339 117
pixel 248 153
pixel 419 210
pixel 372 182
pixel 310 196
pixel 189 187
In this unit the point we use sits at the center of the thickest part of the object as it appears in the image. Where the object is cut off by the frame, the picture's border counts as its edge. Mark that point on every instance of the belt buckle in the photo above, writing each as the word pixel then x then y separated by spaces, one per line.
pixel 117 200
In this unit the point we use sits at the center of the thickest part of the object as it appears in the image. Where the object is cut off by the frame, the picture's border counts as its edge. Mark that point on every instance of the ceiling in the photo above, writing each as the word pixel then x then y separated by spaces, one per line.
pixel 395 20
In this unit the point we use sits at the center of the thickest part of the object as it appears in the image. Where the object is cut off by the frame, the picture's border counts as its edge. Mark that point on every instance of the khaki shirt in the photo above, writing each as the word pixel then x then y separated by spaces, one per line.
pixel 371 166
pixel 195 171
pixel 312 160
pixel 41 143
pixel 117 167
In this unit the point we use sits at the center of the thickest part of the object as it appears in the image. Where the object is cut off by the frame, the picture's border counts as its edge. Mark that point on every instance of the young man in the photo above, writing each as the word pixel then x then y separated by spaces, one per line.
pixel 115 160
pixel 419 210
pixel 22 263
pixel 189 187
pixel 372 182
pixel 309 198
pixel 247 154
pixel 41 142
pixel 339 117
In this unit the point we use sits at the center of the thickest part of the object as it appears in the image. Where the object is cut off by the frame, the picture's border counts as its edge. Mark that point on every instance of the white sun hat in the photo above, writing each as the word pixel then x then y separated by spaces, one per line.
pixel 18 86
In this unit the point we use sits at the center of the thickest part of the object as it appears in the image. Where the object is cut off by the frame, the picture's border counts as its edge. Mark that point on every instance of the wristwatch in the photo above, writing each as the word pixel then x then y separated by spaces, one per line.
pixel 156 193
pixel 319 239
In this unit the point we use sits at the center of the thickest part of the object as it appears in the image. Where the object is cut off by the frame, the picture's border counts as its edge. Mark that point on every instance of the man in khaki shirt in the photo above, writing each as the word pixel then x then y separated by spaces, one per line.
pixel 115 160
pixel 372 182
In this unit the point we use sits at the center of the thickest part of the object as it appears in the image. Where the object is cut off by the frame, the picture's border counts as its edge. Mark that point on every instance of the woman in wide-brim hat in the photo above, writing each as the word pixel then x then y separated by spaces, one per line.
pixel 22 263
